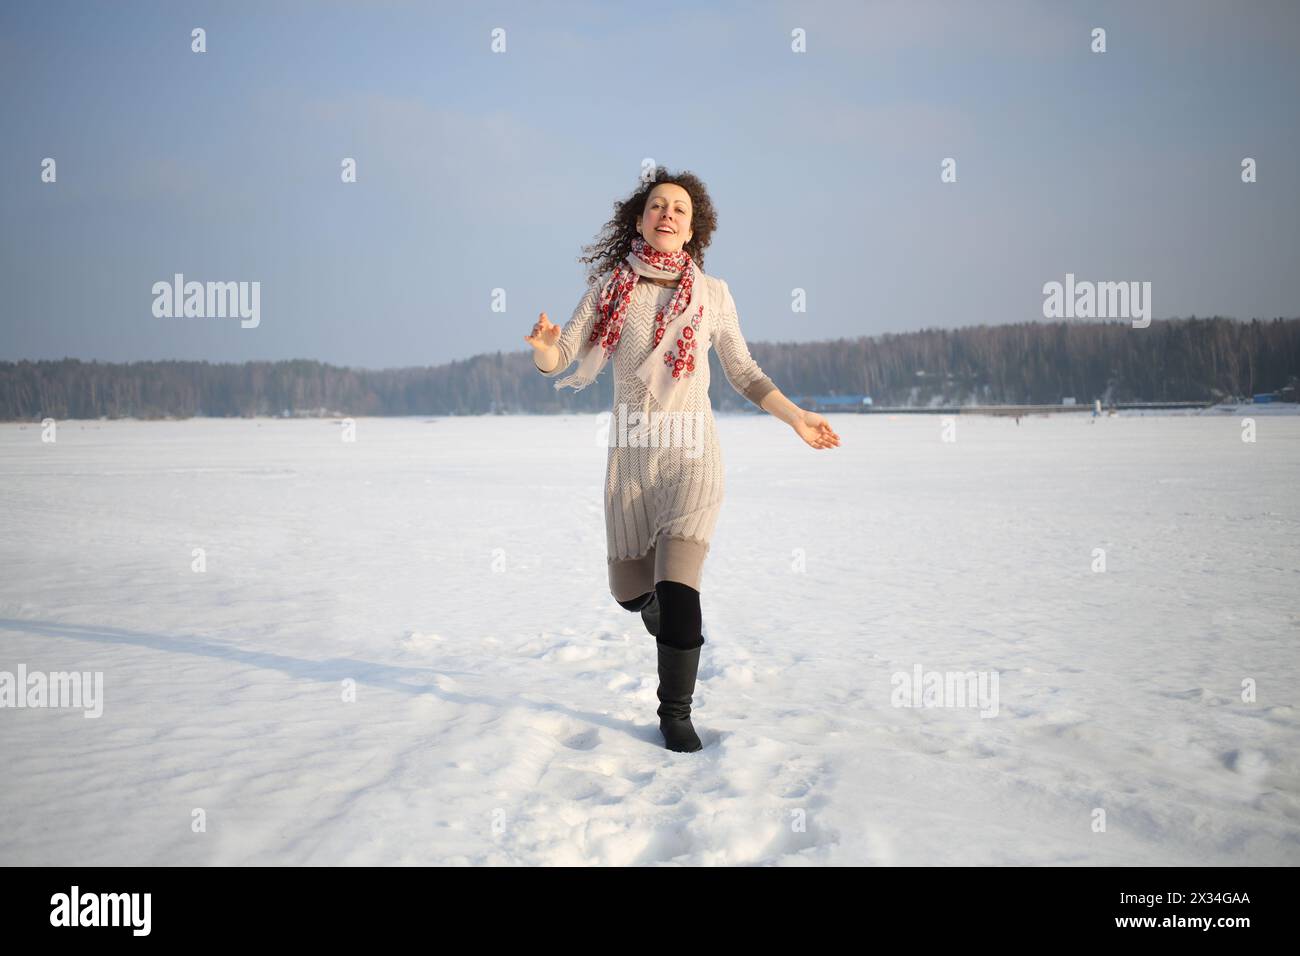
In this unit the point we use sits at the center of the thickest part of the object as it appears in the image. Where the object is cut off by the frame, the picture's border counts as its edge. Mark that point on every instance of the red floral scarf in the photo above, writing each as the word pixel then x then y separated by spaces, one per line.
pixel 679 321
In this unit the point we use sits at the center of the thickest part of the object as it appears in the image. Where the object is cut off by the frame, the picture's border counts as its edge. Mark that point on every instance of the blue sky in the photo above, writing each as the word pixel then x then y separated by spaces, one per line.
pixel 479 171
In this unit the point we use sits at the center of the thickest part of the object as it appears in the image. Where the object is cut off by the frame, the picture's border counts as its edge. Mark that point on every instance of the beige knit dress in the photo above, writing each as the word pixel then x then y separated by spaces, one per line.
pixel 663 496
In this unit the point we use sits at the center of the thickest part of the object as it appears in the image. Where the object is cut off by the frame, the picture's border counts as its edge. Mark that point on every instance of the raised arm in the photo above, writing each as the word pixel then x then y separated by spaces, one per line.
pixel 575 332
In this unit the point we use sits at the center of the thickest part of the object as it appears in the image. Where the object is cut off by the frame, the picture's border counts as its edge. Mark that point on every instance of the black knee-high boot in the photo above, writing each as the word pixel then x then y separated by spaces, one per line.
pixel 678 645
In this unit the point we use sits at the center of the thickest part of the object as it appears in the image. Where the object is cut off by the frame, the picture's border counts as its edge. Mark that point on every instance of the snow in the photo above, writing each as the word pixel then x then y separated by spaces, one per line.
pixel 454 569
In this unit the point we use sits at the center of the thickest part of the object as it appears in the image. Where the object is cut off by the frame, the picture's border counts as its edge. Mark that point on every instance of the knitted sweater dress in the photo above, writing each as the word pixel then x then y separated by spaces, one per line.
pixel 663 498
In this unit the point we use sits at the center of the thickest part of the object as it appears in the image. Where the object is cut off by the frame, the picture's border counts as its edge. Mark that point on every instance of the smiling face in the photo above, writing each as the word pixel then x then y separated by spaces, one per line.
pixel 665 222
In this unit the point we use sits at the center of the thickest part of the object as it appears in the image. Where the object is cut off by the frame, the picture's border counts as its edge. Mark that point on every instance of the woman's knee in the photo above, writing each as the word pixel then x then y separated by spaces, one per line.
pixel 680 618
pixel 636 603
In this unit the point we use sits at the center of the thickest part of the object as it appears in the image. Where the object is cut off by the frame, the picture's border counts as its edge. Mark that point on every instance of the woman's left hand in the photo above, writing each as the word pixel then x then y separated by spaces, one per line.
pixel 815 430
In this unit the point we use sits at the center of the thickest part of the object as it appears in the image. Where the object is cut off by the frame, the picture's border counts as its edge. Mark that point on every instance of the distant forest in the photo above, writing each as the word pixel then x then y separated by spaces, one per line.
pixel 1027 363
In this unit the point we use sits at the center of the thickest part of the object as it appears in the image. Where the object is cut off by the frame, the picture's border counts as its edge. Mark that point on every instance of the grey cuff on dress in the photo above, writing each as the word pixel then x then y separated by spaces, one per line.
pixel 759 389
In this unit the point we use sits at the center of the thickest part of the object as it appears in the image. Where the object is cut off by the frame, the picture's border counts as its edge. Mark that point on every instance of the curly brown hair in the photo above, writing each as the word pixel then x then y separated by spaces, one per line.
pixel 615 240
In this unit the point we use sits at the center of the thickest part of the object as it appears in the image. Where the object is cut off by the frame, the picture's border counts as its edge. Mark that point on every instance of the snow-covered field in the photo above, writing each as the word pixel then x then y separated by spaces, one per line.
pixel 451 574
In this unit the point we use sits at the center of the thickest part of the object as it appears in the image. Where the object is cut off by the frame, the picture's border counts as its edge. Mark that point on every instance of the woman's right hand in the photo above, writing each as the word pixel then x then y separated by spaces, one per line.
pixel 545 335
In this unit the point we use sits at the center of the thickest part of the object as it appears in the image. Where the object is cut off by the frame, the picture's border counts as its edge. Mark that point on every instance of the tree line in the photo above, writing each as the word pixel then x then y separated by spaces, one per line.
pixel 1027 363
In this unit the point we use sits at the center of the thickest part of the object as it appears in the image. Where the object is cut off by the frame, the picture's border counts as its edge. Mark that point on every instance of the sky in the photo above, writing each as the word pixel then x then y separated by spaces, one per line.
pixel 480 171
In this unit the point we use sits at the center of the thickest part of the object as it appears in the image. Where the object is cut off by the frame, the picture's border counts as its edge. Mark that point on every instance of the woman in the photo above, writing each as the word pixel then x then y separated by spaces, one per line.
pixel 653 309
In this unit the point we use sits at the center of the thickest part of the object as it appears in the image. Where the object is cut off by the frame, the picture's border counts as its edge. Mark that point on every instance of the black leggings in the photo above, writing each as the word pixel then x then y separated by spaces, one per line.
pixel 680 621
